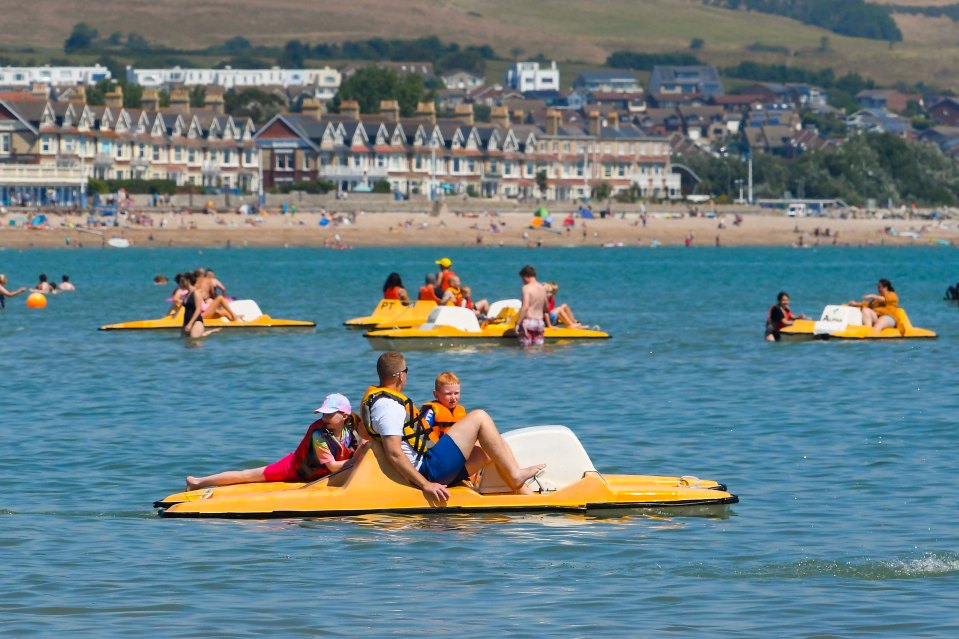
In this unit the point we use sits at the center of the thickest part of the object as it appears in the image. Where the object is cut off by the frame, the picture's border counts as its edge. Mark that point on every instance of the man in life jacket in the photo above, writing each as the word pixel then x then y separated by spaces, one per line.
pixel 391 417
pixel 328 445
pixel 444 274
pixel 428 290
pixel 779 317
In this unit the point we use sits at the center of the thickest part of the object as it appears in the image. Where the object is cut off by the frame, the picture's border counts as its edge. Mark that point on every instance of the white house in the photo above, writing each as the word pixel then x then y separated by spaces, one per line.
pixel 326 79
pixel 53 76
pixel 528 76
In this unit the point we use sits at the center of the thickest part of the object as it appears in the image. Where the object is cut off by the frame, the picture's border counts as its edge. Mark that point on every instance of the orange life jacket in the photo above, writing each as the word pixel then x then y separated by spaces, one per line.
pixel 392 293
pixel 428 293
pixel 308 467
pixel 443 418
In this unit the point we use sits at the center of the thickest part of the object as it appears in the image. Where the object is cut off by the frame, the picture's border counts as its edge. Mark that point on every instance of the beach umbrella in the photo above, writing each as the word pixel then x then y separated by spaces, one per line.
pixel 586 213
pixel 542 212
pixel 39 220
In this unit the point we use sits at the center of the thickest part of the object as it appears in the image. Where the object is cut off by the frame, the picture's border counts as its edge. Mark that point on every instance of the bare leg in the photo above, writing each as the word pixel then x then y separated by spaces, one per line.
pixel 482 307
pixel 869 316
pixel 479 426
pixel 565 315
pixel 217 304
pixel 227 478
pixel 770 338
pixel 884 322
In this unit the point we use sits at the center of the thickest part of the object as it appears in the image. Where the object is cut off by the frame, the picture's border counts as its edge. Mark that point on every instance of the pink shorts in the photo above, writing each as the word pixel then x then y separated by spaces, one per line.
pixel 282 470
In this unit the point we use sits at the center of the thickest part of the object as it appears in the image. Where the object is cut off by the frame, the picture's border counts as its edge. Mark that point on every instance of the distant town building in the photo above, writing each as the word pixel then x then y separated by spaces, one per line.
pixel 528 76
pixel 607 82
pixel 326 79
pixel 685 80
pixel 53 76
pixel 462 80
pixel 888 99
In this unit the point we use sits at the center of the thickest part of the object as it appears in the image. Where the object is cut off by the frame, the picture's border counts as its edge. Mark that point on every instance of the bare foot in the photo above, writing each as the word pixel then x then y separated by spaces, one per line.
pixel 524 475
pixel 192 483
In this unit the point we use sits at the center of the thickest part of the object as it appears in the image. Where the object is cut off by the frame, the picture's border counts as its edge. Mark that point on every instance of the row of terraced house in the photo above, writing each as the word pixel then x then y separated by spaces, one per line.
pixel 50 148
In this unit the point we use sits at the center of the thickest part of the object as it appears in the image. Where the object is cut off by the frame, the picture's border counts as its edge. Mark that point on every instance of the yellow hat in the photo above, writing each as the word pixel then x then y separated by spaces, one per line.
pixel 445 262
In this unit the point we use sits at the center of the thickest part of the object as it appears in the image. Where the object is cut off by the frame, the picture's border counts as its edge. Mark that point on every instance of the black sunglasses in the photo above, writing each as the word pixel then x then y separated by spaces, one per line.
pixel 405 370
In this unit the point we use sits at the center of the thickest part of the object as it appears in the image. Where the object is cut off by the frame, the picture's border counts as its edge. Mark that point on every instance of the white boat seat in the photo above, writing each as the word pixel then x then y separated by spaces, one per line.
pixel 496 308
pixel 556 446
pixel 246 310
pixel 836 317
pixel 455 316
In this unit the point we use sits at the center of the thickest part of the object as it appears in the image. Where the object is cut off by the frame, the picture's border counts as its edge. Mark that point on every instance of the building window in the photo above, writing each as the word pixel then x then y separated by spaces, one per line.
pixel 45 144
pixel 212 155
pixel 177 153
pixel 284 161
pixel 191 157
pixel 249 157
pixel 156 153
pixel 492 166
pixel 226 156
pixel 5 143
pixel 456 165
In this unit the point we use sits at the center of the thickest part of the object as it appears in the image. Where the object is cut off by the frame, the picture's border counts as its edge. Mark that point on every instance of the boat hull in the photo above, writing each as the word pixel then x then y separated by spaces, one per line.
pixel 175 322
pixel 371 485
pixel 393 314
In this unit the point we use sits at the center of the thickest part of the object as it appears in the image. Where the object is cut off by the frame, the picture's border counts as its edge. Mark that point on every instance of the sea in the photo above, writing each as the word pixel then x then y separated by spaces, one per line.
pixel 843 453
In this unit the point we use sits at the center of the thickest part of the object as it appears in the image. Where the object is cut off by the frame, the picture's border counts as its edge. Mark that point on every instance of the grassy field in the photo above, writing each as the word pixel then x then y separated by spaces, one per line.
pixel 575 33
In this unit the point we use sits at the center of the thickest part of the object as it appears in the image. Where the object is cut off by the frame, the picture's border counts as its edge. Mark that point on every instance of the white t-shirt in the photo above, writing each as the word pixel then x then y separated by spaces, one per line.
pixel 387 417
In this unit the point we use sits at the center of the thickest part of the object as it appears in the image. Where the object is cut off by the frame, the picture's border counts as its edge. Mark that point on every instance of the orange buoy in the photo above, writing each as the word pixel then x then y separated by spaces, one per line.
pixel 37 300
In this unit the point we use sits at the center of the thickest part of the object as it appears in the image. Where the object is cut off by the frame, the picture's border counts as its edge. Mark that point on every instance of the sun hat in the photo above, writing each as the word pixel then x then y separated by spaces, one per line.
pixel 445 262
pixel 335 403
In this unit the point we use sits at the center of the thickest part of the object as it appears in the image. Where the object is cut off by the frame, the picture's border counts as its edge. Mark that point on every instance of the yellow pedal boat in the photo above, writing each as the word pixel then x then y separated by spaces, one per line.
pixel 394 314
pixel 248 316
pixel 454 326
pixel 569 483
pixel 840 321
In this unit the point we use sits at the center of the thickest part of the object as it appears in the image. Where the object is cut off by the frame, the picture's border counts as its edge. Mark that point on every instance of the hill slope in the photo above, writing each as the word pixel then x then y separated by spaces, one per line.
pixel 568 30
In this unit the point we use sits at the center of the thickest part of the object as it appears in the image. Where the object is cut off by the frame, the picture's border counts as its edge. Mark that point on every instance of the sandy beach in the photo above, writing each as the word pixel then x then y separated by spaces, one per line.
pixel 450 229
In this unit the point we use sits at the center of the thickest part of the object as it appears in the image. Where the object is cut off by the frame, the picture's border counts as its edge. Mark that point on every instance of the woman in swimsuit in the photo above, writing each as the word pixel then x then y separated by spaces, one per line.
pixel 4 293
pixel 192 319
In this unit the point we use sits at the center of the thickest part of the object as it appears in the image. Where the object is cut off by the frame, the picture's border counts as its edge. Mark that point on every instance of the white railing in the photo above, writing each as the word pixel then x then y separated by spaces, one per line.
pixel 38 174
pixel 353 171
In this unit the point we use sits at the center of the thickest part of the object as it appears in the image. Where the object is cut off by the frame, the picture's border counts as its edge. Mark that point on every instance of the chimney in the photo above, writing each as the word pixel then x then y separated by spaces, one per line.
pixel 519 116
pixel 40 90
pixel 213 99
pixel 552 122
pixel 390 109
pixel 499 116
pixel 350 108
pixel 80 93
pixel 312 107
pixel 594 123
pixel 426 110
pixel 613 120
pixel 114 98
pixel 464 113
pixel 150 100
pixel 180 99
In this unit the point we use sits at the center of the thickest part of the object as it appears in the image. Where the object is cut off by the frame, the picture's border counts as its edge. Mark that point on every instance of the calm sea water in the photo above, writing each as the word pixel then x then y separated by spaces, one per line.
pixel 843 454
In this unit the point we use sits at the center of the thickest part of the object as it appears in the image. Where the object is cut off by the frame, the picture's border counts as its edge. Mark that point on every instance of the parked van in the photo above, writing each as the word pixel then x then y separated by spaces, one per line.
pixel 796 210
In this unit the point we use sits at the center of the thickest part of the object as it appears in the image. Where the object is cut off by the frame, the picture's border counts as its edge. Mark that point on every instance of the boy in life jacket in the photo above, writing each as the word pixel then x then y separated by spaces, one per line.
pixel 445 410
pixel 328 445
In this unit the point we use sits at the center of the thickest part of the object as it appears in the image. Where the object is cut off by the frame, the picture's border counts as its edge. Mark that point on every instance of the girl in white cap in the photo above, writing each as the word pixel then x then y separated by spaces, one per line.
pixel 328 445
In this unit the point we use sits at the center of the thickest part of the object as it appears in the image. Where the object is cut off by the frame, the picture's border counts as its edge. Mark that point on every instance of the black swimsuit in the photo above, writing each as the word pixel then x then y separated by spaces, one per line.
pixel 189 308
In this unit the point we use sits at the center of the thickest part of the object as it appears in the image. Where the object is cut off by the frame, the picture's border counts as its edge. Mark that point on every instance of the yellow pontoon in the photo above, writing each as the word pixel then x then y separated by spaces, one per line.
pixel 455 326
pixel 840 321
pixel 247 311
pixel 569 483
pixel 394 314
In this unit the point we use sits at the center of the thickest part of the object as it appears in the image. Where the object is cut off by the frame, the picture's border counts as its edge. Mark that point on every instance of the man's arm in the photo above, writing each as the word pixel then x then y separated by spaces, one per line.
pixel 523 309
pixel 399 460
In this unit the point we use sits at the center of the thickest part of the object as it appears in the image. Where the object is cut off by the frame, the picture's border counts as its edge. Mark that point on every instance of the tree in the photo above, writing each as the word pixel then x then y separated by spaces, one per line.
pixel 696 44
pixel 370 85
pixel 81 38
pixel 602 191
pixel 541 182
pixel 198 96
pixel 237 45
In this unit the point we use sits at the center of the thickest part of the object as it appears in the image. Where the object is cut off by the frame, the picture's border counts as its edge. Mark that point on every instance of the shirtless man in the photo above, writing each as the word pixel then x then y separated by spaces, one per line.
pixel 530 325
pixel 213 304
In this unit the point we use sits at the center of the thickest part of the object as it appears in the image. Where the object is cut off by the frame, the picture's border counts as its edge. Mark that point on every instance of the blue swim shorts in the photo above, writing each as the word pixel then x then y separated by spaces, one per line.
pixel 444 463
